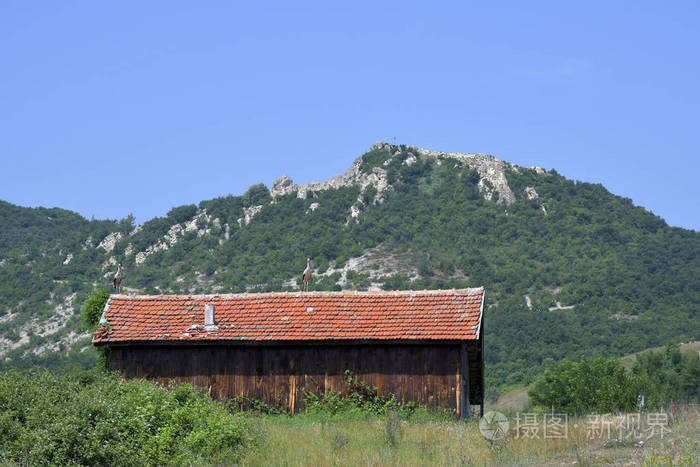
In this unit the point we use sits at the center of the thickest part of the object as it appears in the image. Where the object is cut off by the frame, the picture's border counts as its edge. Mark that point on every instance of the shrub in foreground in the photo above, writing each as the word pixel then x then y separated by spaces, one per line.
pixel 89 418
pixel 588 386
pixel 363 402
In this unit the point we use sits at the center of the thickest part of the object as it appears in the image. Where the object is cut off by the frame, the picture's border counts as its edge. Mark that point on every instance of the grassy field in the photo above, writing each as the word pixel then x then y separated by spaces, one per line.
pixel 430 439
pixel 385 441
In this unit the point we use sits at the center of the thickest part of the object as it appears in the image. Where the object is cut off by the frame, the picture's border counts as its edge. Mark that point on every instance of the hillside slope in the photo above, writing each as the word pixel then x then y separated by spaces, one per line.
pixel 568 267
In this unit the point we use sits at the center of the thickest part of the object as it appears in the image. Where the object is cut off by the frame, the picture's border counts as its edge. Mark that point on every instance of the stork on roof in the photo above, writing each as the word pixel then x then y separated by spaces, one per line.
pixel 307 274
pixel 118 278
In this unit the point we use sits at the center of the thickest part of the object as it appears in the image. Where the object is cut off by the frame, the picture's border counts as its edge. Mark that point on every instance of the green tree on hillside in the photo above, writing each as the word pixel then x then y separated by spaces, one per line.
pixel 90 316
pixel 588 386
pixel 93 308
pixel 669 374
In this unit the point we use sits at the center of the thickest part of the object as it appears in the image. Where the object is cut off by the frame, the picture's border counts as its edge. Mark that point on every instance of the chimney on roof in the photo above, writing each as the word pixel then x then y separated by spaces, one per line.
pixel 209 323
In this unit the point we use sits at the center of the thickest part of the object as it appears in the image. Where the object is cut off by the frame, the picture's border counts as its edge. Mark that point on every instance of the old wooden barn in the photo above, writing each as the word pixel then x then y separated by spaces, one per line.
pixel 421 346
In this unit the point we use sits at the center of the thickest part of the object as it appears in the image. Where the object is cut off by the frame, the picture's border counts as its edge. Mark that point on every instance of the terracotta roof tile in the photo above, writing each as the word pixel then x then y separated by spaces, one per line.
pixel 409 315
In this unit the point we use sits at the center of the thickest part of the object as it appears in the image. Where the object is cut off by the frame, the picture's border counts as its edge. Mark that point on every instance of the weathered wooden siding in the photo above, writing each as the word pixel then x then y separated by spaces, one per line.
pixel 277 375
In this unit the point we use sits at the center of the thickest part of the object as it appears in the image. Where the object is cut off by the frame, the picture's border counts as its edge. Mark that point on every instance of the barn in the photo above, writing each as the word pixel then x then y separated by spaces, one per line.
pixel 421 346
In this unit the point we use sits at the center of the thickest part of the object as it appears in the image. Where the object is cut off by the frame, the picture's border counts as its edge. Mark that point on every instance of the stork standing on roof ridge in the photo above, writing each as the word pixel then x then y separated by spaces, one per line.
pixel 307 274
pixel 118 278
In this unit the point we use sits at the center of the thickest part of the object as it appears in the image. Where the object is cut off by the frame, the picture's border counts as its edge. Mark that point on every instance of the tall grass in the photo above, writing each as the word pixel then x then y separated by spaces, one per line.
pixel 364 429
pixel 380 441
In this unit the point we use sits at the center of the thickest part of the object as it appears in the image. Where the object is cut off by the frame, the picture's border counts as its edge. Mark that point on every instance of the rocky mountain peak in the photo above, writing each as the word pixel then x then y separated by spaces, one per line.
pixel 352 177
pixel 490 169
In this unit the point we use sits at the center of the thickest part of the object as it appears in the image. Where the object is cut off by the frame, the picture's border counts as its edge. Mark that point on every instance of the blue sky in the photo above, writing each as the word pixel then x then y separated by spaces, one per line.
pixel 136 107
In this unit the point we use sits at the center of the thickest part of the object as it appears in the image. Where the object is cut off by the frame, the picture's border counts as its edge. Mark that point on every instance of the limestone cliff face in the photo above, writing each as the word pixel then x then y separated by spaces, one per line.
pixel 491 170
pixel 353 177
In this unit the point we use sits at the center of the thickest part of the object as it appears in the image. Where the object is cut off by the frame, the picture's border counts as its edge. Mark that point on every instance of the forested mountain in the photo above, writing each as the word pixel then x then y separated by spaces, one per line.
pixel 568 267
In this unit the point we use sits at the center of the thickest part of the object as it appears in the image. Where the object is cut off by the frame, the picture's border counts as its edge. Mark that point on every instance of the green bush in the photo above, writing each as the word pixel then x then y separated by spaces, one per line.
pixel 597 386
pixel 374 158
pixel 92 310
pixel 668 374
pixel 363 402
pixel 89 418
pixel 256 194
pixel 182 214
pixel 90 316
pixel 361 397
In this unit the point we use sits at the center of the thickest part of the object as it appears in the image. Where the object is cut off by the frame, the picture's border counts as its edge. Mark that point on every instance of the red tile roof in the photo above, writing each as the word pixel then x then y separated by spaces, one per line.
pixel 295 316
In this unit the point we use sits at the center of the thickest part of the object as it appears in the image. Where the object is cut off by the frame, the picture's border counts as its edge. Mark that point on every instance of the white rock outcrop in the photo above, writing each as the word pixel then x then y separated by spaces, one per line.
pixel 61 314
pixel 530 193
pixel 558 306
pixel 490 169
pixel 377 263
pixel 109 242
pixel 284 186
pixel 171 238
pixel 111 261
pixel 248 214
pixel 352 177
pixel 312 207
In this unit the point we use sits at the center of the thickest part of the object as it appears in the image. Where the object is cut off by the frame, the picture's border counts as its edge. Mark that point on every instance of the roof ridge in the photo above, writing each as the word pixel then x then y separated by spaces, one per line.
pixel 317 293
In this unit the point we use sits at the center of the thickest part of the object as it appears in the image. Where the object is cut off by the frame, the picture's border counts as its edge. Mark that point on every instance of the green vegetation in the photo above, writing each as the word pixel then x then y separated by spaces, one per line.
pixel 362 430
pixel 375 158
pixel 90 315
pixel 93 308
pixel 634 282
pixel 669 374
pixel 297 441
pixel 93 418
pixel 90 418
pixel 598 386
pixel 605 386
pixel 362 403
pixel 34 245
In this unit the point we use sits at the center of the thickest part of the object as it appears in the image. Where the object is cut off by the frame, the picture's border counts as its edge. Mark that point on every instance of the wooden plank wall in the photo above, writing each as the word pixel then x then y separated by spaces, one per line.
pixel 277 375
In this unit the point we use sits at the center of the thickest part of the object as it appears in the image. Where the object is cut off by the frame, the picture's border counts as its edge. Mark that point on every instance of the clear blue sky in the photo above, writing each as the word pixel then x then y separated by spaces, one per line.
pixel 136 107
